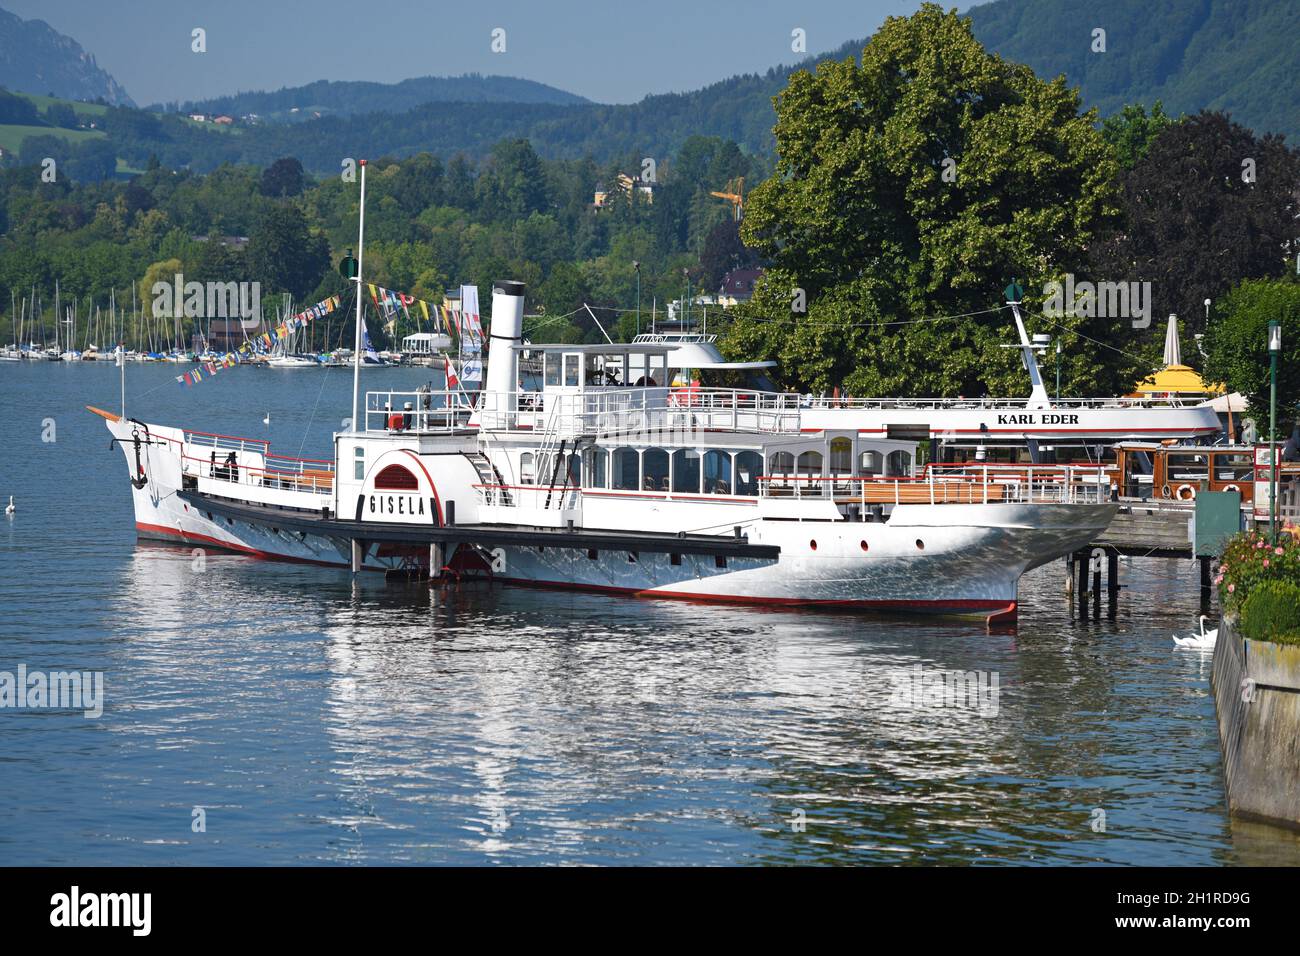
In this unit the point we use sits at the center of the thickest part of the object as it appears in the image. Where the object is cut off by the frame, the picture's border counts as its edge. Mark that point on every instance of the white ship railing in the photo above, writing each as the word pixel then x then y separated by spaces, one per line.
pixel 260 472
pixel 1005 404
pixel 991 484
pixel 595 411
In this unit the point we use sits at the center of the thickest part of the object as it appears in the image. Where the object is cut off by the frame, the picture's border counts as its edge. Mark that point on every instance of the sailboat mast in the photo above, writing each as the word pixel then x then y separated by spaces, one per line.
pixel 356 349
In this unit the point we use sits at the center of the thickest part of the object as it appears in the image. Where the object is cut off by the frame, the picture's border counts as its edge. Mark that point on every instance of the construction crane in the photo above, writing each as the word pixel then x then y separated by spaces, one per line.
pixel 734 194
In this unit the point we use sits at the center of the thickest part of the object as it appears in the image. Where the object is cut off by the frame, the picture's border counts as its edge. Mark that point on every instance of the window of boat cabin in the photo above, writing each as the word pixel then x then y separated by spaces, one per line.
pixel 526 468
pixel 749 465
pixel 1186 467
pixel 359 463
pixel 597 468
pixel 810 464
pixel 841 456
pixel 572 363
pixel 686 471
pixel 869 463
pixel 898 464
pixel 553 361
pixel 1233 466
pixel 717 472
pixel 781 463
pixel 654 470
pixel 575 471
pixel 626 471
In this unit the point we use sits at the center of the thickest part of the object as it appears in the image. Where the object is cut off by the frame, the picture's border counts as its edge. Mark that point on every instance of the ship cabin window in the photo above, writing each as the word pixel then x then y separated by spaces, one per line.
pixel 654 470
pixel 841 456
pixel 626 470
pixel 526 473
pixel 359 463
pixel 781 463
pixel 898 464
pixel 1233 467
pixel 575 471
pixel 571 366
pixel 551 369
pixel 597 468
pixel 717 472
pixel 1184 468
pixel 686 471
pixel 749 465
pixel 869 463
pixel 810 464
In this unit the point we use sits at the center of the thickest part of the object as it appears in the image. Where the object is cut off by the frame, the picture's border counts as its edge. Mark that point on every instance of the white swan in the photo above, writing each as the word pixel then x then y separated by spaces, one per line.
pixel 9 509
pixel 1203 640
pixel 267 419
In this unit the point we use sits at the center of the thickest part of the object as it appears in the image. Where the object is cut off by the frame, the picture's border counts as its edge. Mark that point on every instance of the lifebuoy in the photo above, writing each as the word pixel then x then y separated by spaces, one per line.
pixel 1164 492
pixel 1231 488
pixel 1190 493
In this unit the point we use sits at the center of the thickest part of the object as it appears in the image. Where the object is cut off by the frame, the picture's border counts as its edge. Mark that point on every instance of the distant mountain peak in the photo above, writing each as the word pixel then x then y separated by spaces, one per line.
pixel 36 58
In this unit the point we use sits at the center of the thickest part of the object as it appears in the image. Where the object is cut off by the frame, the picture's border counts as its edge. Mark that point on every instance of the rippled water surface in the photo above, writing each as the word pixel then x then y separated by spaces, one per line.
pixel 320 720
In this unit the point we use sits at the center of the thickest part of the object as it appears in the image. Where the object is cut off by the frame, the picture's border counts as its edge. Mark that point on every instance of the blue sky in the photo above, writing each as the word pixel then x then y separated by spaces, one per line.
pixel 612 51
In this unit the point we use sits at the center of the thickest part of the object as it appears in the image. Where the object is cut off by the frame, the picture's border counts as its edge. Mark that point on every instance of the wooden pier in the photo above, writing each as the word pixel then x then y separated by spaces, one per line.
pixel 1142 529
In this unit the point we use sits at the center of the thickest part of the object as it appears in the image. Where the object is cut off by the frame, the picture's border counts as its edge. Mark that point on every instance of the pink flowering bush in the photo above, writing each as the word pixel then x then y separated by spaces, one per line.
pixel 1250 559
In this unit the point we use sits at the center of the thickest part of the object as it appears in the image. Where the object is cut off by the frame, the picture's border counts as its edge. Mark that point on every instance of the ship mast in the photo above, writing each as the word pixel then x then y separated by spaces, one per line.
pixel 356 348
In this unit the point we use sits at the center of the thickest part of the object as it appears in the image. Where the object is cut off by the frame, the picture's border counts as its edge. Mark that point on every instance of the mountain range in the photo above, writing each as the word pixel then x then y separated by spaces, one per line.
pixel 36 58
pixel 1233 55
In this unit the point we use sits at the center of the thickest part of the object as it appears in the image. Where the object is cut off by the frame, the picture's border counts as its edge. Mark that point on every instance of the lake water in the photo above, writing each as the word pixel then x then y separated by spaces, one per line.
pixel 312 718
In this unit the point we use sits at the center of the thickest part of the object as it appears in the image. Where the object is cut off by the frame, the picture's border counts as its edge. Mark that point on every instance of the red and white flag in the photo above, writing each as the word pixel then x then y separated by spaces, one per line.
pixel 452 380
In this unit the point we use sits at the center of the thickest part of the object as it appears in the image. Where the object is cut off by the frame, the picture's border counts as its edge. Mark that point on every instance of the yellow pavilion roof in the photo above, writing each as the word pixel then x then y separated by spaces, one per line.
pixel 1177 378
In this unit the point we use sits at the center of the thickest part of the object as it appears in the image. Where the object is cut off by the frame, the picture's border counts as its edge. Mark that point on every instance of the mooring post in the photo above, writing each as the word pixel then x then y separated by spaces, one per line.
pixel 1112 583
pixel 1069 576
pixel 1081 560
pixel 356 555
pixel 1096 586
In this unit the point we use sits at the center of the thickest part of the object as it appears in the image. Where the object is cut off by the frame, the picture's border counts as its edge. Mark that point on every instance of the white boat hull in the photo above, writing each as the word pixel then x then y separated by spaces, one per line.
pixel 951 558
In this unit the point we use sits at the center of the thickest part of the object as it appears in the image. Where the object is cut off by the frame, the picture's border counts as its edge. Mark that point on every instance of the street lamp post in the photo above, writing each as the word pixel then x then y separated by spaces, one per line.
pixel 636 268
pixel 1274 350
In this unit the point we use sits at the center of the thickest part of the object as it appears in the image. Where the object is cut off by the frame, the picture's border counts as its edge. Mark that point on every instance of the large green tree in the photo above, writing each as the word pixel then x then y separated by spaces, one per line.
pixel 284 255
pixel 1210 204
pixel 1236 347
pixel 914 185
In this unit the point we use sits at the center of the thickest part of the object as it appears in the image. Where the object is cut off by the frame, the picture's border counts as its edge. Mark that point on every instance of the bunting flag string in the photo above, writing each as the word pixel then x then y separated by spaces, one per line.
pixel 259 343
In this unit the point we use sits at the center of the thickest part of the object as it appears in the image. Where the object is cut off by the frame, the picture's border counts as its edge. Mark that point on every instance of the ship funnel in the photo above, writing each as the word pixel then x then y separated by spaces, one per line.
pixel 505 331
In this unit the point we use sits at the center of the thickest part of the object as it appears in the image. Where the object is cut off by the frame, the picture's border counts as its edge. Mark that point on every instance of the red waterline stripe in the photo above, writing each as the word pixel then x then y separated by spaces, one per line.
pixel 191 537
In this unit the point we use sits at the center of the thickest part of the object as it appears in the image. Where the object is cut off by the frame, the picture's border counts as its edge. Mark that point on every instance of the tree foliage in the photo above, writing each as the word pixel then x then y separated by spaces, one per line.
pixel 1236 346
pixel 1209 205
pixel 912 185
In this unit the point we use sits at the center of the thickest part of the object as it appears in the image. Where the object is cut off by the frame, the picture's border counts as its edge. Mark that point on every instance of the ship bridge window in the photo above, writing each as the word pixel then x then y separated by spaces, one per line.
pixel 571 366
pixel 654 470
pixel 686 471
pixel 749 465
pixel 626 472
pixel 717 472
pixel 396 478
pixel 553 362
pixel 898 464
pixel 841 456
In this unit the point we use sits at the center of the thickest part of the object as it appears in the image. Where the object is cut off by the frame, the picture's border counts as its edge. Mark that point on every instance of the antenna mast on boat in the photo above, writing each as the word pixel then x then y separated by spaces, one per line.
pixel 1038 397
pixel 356 347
